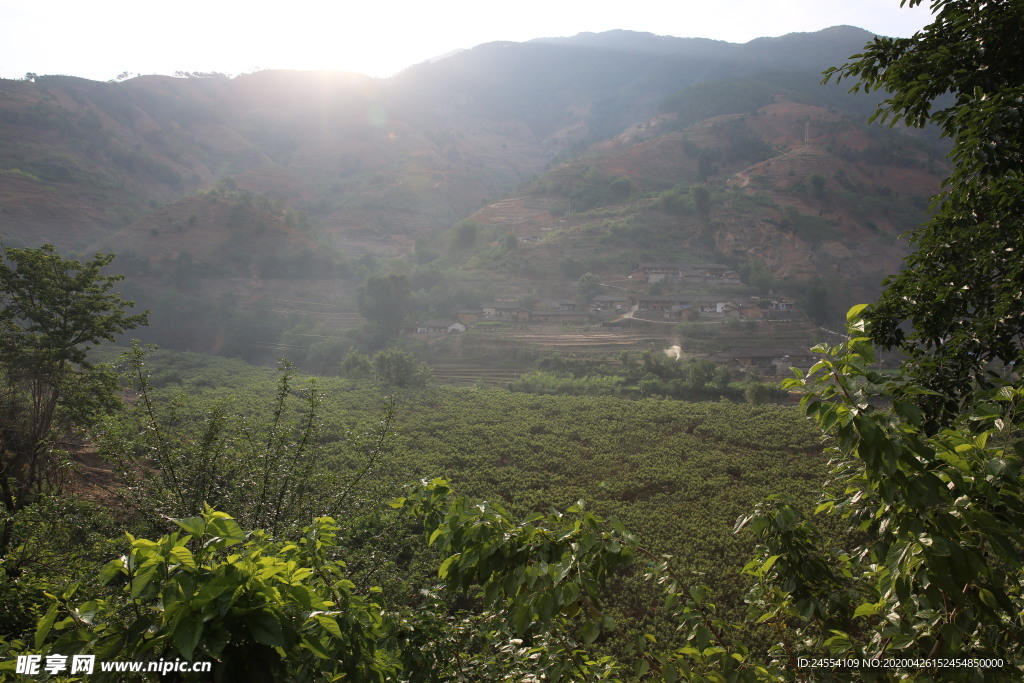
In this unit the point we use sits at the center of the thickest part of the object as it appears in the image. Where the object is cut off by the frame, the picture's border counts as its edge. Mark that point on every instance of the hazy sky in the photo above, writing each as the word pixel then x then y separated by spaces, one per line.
pixel 100 39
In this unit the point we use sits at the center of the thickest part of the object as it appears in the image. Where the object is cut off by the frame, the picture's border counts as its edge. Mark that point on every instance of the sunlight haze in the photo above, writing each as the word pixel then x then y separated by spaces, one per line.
pixel 101 40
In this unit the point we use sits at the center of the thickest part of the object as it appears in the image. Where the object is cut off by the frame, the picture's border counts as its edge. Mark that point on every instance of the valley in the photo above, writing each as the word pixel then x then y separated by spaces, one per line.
pixel 485 371
pixel 224 197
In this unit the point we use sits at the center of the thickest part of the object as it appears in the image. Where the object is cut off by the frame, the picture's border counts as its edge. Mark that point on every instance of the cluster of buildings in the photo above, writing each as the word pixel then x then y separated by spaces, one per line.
pixel 683 307
pixel 702 277
pixel 695 274
pixel 608 307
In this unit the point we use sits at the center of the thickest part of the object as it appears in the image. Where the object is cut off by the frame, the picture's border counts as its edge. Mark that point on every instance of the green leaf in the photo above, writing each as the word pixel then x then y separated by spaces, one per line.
pixel 225 532
pixel 589 632
pixel 329 624
pixel 112 569
pixel 187 634
pixel 316 646
pixel 769 563
pixel 868 609
pixel 522 617
pixel 442 571
pixel 45 624
pixel 195 526
pixel 143 576
pixel 854 313
pixel 265 627
pixel 183 556
pixel 641 667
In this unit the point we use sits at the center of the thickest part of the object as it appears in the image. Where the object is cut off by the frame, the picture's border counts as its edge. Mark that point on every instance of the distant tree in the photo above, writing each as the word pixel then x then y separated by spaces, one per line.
pixel 757 393
pixel 356 365
pixel 705 166
pixel 400 368
pixel 701 200
pixel 423 253
pixel 757 276
pixel 675 202
pixel 722 377
pixel 465 234
pixel 699 373
pixel 815 300
pixel 589 286
pixel 571 268
pixel 621 188
pixel 385 300
pixel 511 242
pixel 818 185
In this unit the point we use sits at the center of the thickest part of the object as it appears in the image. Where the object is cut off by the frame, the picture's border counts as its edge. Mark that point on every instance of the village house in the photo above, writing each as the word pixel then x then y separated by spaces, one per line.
pixel 561 317
pixel 616 302
pixel 702 271
pixel 672 273
pixel 707 307
pixel 750 309
pixel 657 272
pixel 468 316
pixel 505 310
pixel 560 304
pixel 729 278
pixel 670 306
pixel 779 310
pixel 434 328
pixel 767 362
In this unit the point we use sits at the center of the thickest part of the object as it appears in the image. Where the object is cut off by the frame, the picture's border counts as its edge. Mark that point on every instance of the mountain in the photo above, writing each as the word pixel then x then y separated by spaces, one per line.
pixel 224 193
pixel 794 189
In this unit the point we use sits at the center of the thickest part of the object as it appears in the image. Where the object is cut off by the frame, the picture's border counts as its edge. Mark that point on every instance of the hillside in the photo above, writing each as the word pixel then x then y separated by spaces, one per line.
pixel 796 190
pixel 224 196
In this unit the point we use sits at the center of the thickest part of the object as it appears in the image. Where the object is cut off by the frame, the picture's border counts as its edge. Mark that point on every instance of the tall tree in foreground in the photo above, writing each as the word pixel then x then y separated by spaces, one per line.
pixel 958 304
pixel 53 309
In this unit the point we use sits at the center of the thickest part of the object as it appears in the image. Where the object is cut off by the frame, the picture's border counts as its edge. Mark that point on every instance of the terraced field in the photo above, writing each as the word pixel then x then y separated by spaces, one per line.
pixel 472 374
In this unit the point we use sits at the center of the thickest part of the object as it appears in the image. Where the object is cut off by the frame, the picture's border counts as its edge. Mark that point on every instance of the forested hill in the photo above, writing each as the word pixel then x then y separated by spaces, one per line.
pixel 406 155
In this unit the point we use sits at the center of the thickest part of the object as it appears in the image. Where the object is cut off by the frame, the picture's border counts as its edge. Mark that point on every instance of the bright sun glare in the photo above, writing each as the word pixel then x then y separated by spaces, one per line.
pixel 378 39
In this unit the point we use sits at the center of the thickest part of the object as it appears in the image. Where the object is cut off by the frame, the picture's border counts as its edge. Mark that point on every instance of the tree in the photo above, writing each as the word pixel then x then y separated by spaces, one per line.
pixel 400 368
pixel 588 286
pixel 53 309
pixel 957 306
pixel 385 300
pixel 933 569
pixel 701 200
pixel 356 365
pixel 818 185
pixel 465 235
pixel 756 393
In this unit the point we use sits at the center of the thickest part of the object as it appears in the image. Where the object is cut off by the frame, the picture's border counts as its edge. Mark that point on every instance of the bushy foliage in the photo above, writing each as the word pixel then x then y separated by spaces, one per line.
pixel 596 189
pixel 264 610
pixel 269 471
pixel 960 290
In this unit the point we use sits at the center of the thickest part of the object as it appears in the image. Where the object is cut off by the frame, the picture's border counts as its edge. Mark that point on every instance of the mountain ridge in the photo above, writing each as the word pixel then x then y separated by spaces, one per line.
pixel 367 169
